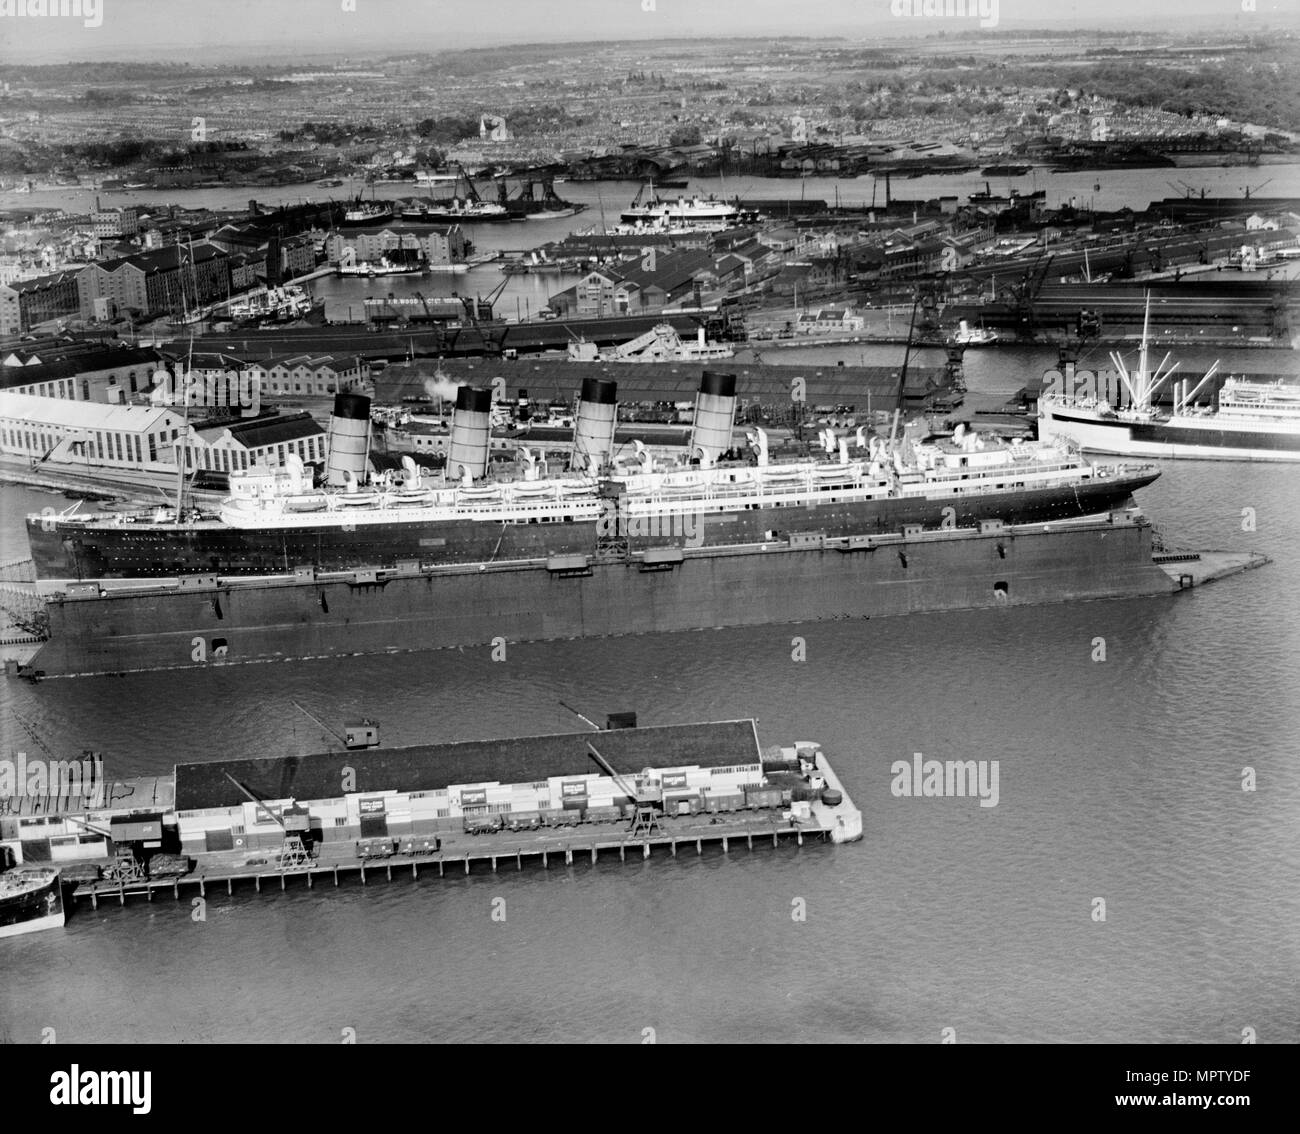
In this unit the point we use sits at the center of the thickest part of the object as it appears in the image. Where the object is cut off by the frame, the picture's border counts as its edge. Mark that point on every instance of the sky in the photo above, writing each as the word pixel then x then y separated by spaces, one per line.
pixel 219 30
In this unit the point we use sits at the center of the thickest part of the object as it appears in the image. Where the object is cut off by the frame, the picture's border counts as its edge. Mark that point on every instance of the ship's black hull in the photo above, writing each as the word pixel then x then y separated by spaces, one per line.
pixel 66 550
pixel 37 909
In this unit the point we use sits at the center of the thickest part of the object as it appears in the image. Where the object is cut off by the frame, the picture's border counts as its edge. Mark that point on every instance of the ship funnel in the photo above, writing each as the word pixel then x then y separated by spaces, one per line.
pixel 471 428
pixel 715 411
pixel 593 429
pixel 349 439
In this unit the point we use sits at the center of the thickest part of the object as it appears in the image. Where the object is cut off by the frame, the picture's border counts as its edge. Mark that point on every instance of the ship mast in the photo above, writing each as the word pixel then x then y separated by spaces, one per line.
pixel 182 450
pixel 902 374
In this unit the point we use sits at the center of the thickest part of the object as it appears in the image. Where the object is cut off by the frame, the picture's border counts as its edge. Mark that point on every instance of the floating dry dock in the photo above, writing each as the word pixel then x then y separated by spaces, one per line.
pixel 448 807
pixel 205 621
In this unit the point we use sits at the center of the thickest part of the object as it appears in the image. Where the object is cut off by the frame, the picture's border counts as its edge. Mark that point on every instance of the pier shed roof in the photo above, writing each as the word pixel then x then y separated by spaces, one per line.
pixel 428 767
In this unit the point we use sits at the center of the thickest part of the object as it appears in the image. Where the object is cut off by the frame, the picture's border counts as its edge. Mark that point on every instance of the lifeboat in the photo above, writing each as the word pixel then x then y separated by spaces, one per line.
pixel 305 502
pixel 782 475
pixel 411 498
pixel 357 499
pixel 488 495
pixel 533 490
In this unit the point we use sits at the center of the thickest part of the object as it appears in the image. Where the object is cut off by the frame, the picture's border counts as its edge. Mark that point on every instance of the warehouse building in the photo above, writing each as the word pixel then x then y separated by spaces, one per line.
pixel 25 304
pixel 427 789
pixel 434 245
pixel 256 441
pixel 89 433
pixel 109 374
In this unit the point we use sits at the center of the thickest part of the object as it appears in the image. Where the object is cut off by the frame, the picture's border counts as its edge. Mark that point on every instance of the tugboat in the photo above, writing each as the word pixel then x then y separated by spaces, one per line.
pixel 31 899
pixel 367 212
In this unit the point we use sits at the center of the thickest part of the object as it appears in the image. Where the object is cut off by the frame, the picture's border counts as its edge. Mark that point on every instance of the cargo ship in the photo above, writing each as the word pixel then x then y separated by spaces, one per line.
pixel 1247 421
pixel 276 521
pixel 31 899
pixel 458 210
pixel 367 212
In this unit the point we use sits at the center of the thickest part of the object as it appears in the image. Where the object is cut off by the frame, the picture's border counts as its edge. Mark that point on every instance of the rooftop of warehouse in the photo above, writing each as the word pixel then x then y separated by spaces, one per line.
pixel 665 381
pixel 429 767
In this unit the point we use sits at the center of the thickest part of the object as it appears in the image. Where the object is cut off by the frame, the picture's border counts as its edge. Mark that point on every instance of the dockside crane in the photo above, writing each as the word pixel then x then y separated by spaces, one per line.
pixel 295 824
pixel 1026 293
pixel 648 799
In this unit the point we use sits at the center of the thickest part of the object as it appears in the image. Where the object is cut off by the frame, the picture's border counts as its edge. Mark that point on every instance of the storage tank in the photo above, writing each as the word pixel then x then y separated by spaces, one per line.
pixel 593 429
pixel 349 439
pixel 471 428
pixel 715 410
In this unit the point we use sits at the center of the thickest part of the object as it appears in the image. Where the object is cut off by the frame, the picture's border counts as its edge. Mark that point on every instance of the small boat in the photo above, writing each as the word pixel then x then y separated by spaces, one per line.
pixel 478 495
pixel 306 502
pixel 357 499
pixel 411 498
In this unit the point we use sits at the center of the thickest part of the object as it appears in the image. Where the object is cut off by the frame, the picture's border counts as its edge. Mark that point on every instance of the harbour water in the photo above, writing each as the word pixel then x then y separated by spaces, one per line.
pixel 1120 779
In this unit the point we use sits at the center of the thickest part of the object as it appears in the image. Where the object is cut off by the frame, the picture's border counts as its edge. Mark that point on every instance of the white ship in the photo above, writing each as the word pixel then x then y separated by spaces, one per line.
pixel 1253 421
pixel 966 335
pixel 381 267
pixel 684 214
pixel 288 302
pixel 368 212
pixel 659 344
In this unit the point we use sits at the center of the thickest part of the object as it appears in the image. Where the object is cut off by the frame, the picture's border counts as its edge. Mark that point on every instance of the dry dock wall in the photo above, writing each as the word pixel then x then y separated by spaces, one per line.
pixel 123 632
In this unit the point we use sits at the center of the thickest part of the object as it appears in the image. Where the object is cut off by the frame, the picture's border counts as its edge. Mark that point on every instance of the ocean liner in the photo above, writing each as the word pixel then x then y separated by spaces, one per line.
pixel 276 520
pixel 1248 421
pixel 683 214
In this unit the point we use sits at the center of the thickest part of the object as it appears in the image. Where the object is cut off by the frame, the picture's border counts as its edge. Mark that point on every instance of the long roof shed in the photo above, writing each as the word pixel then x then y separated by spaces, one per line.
pixel 431 767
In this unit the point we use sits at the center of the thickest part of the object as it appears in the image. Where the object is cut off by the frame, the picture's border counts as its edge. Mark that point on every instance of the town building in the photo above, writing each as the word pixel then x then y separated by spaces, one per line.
pixel 109 223
pixel 105 374
pixel 650 284
pixel 311 375
pixel 25 304
pixel 434 245
pixel 830 319
pixel 164 281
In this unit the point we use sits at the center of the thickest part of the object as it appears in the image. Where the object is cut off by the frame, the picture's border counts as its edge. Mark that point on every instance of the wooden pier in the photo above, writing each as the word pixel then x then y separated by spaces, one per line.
pixel 495 851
